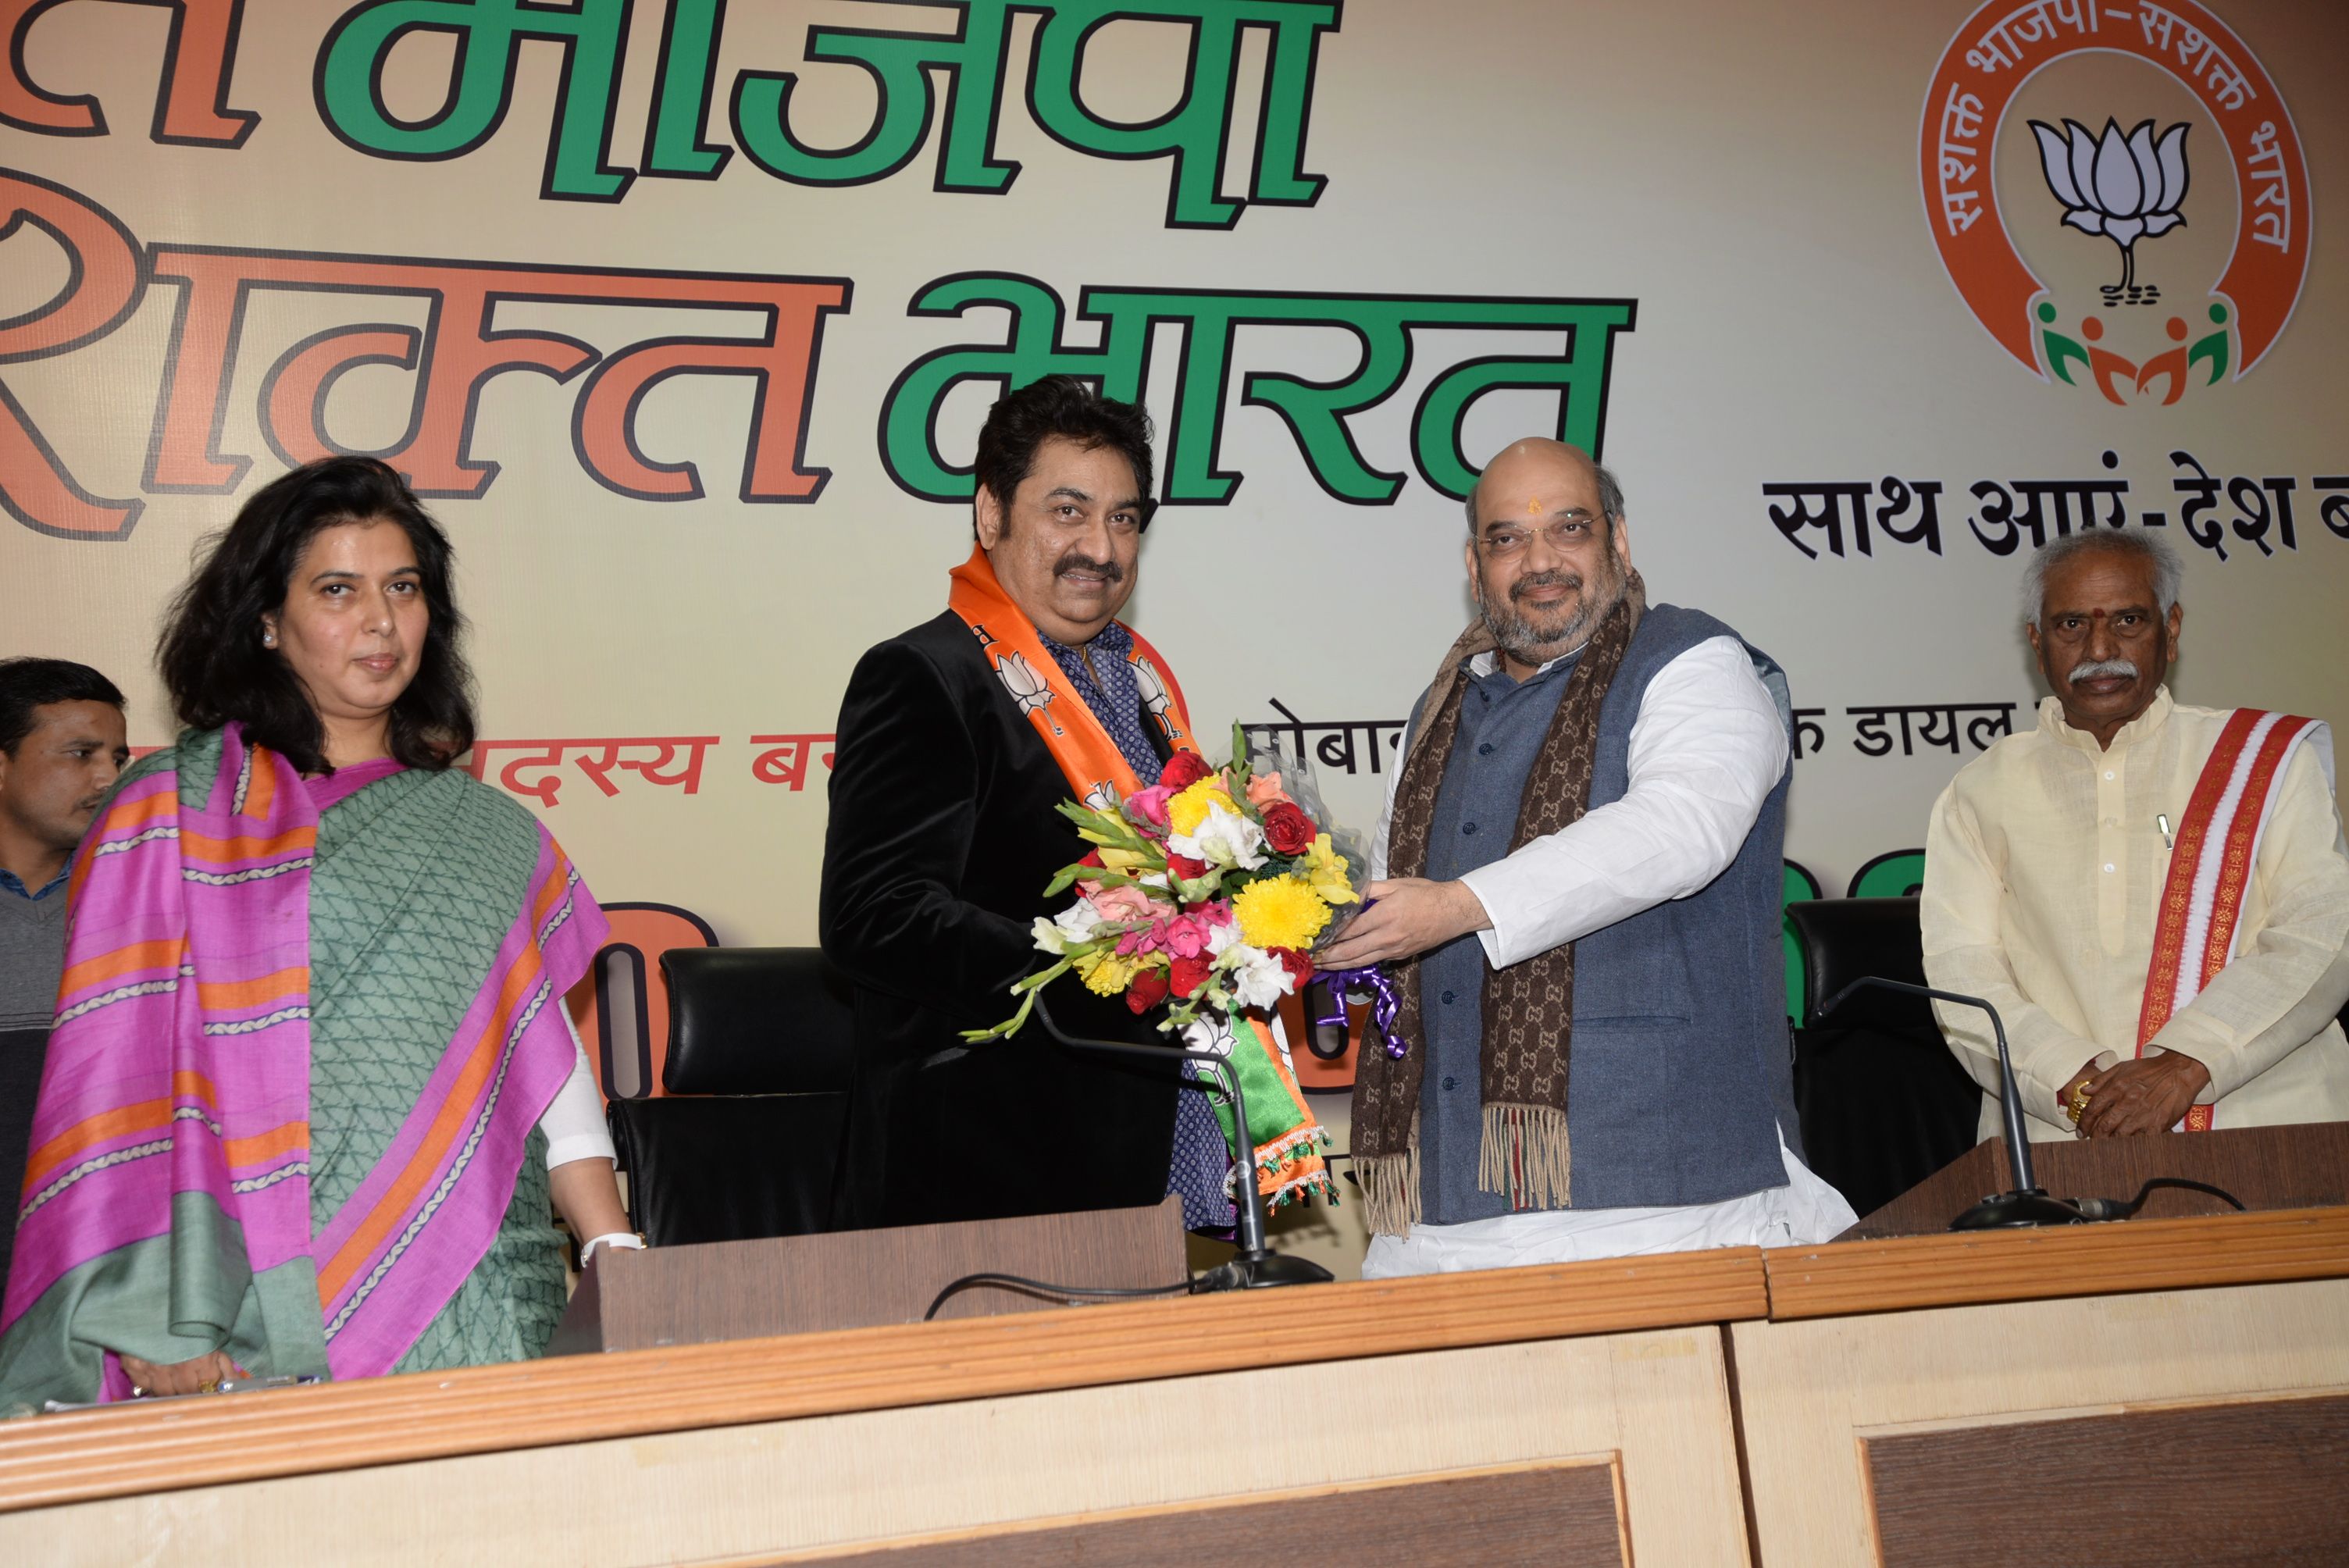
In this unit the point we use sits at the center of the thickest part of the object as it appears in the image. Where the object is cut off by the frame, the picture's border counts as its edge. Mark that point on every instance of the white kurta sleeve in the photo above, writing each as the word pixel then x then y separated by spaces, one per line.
pixel 1706 750
pixel 573 1124
pixel 1964 893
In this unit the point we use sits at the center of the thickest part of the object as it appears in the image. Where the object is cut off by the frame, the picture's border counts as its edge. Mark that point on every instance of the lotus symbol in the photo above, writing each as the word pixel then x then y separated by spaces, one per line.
pixel 1027 688
pixel 2126 188
pixel 1152 691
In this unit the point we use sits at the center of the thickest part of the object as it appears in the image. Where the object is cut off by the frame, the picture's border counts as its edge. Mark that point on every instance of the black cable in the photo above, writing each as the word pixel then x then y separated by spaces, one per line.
pixel 2114 1209
pixel 1068 1294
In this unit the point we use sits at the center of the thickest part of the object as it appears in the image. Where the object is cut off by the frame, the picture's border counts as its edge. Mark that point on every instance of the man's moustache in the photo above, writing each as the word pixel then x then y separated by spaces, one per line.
pixel 1525 585
pixel 1068 564
pixel 2103 669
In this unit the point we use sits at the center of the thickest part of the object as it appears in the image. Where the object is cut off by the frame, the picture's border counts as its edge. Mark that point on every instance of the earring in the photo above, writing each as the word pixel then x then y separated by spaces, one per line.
pixel 268 639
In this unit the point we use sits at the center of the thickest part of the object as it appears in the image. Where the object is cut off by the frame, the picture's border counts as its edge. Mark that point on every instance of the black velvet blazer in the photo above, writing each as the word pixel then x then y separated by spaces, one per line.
pixel 942 838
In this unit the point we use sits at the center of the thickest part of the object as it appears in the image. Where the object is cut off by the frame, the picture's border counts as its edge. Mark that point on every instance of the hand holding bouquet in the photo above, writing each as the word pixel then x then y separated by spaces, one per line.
pixel 1204 894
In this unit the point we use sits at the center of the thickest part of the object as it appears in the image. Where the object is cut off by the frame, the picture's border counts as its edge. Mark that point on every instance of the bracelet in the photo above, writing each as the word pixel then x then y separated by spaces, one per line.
pixel 627 1241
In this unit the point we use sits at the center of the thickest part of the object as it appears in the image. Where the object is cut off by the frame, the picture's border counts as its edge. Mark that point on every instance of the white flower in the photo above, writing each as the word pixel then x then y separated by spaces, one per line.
pixel 1258 978
pixel 1221 942
pixel 1225 839
pixel 1071 927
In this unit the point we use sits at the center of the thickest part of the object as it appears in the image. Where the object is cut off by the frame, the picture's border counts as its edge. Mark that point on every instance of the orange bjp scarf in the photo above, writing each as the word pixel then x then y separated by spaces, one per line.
pixel 1089 759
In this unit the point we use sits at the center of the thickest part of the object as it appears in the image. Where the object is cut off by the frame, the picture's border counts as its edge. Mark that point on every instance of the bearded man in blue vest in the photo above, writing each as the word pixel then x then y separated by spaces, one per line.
pixel 1577 885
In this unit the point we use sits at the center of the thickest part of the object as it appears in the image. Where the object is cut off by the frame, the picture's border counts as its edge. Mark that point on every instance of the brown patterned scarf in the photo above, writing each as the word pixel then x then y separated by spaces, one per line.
pixel 1528 1008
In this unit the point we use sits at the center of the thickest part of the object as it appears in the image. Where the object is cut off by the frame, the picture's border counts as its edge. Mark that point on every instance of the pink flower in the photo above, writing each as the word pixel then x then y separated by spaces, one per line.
pixel 1185 937
pixel 1148 806
pixel 1124 905
pixel 1264 789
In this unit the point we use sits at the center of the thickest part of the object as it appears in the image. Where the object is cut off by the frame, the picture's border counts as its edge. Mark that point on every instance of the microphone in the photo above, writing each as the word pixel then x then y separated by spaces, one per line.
pixel 2026 1203
pixel 1257 1266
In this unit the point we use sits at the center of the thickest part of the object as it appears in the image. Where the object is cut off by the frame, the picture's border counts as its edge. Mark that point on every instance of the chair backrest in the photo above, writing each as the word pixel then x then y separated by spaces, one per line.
pixel 622 1006
pixel 1882 1101
pixel 757 1020
pixel 1845 938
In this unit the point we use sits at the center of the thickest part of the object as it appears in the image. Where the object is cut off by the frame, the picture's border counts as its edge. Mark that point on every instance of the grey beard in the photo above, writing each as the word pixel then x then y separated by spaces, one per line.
pixel 1518 638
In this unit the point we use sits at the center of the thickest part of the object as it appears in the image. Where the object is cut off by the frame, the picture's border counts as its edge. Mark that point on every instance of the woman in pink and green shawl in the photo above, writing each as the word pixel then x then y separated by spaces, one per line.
pixel 312 1095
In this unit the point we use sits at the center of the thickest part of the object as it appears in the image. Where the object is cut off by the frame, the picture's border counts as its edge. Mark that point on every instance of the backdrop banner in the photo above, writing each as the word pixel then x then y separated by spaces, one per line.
pixel 684 316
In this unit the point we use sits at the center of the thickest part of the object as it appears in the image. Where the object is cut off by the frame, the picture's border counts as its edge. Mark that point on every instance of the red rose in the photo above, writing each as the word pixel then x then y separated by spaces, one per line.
pixel 1092 858
pixel 1186 868
pixel 1183 769
pixel 1299 967
pixel 1189 976
pixel 1148 989
pixel 1289 830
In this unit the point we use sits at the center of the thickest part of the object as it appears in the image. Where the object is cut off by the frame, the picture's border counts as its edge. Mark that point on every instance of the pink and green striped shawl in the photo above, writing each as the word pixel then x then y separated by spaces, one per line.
pixel 166 1208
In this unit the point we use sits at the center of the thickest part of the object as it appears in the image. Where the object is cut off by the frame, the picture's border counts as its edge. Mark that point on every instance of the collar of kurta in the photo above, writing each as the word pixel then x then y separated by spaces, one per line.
pixel 2144 726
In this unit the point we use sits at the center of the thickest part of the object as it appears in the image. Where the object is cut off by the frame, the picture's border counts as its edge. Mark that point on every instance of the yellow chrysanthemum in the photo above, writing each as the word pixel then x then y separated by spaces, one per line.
pixel 1325 871
pixel 1107 974
pixel 1188 806
pixel 1279 912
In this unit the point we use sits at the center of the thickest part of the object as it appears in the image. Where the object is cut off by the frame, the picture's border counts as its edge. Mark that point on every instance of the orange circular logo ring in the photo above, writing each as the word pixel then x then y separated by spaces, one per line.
pixel 2002 46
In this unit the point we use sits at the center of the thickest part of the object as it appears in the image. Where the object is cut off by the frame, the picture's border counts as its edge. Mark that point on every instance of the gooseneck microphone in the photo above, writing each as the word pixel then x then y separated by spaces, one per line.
pixel 1257 1266
pixel 2026 1203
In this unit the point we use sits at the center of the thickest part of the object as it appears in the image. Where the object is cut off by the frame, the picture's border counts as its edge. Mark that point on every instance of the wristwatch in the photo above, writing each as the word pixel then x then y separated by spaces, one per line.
pixel 627 1241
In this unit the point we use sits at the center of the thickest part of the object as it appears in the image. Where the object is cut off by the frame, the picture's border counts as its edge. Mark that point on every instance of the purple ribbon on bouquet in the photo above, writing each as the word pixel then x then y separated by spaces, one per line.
pixel 1384 1003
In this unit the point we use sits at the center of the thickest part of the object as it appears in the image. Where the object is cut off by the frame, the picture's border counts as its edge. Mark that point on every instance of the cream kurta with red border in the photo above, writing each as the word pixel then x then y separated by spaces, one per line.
pixel 2044 874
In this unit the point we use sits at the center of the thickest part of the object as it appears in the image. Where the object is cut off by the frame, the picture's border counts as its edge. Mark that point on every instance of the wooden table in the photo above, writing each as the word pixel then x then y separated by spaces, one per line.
pixel 1809 1407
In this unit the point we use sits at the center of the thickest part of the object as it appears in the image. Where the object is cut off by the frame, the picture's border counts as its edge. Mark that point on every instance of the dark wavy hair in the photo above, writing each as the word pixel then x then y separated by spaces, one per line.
pixel 1062 406
pixel 211 651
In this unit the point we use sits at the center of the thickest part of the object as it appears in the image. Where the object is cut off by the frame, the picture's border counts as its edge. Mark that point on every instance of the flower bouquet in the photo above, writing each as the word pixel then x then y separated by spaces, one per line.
pixel 1203 895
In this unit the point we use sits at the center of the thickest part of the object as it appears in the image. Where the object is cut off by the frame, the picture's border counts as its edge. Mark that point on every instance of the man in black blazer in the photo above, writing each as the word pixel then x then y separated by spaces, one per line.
pixel 956 741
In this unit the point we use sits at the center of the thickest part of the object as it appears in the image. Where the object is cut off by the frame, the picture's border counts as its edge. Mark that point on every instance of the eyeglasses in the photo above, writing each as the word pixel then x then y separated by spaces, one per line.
pixel 1563 535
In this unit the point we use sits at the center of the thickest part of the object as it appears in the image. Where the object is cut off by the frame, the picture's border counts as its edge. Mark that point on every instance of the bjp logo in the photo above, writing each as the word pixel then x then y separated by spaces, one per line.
pixel 2208 268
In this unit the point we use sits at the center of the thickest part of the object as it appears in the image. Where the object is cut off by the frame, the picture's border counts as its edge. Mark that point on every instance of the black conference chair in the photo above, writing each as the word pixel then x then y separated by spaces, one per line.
pixel 747 1141
pixel 1883 1102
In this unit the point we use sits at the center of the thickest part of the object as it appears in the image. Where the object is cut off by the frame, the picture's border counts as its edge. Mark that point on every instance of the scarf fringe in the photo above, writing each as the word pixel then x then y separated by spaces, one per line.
pixel 1298 1189
pixel 1390 1191
pixel 1523 1155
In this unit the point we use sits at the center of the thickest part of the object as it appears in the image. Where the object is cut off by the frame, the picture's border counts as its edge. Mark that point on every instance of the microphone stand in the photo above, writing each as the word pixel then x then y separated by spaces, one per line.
pixel 1257 1266
pixel 2026 1204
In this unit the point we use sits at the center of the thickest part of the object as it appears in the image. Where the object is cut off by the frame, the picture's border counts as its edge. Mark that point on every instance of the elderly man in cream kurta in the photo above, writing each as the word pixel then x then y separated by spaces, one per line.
pixel 2054 887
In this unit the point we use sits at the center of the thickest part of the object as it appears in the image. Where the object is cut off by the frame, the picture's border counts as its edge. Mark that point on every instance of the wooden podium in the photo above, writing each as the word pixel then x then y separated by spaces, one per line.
pixel 857 1279
pixel 2156 1391
pixel 2266 1167
pixel 2159 1390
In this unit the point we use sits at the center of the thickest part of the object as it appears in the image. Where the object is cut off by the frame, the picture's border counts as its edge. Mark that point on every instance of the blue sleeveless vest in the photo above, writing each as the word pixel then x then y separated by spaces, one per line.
pixel 1680 1072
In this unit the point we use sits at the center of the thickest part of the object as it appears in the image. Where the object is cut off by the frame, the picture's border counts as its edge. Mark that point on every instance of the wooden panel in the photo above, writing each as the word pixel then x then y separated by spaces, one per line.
pixel 1654 1401
pixel 2267 1167
pixel 1811 1392
pixel 1908 1272
pixel 2258 1481
pixel 1565 1514
pixel 857 1279
pixel 201 1441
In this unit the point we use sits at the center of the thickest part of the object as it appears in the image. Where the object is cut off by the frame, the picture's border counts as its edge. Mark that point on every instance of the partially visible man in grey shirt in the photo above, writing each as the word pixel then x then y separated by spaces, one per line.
pixel 61 746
